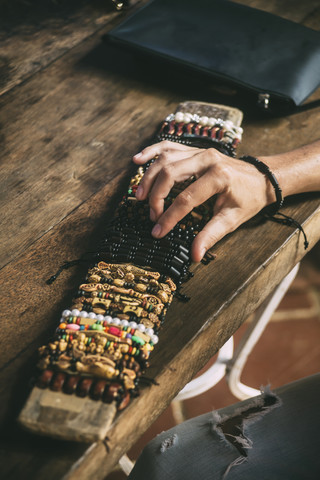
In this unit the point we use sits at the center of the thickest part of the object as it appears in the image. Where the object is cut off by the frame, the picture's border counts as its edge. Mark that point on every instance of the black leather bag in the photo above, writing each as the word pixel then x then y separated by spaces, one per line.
pixel 275 61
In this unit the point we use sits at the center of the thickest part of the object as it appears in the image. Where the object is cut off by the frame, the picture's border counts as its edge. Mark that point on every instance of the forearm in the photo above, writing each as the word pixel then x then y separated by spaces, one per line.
pixel 297 171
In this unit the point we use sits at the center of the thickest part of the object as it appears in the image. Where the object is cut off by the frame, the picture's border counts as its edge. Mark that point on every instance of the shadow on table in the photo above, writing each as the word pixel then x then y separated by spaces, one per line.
pixel 150 73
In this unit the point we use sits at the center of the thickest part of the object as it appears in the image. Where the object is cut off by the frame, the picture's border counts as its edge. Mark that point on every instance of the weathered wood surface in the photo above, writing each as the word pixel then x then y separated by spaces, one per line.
pixel 306 13
pixel 67 140
pixel 34 34
pixel 66 416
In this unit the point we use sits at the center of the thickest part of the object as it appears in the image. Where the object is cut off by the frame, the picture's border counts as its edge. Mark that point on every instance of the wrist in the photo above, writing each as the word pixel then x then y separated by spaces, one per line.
pixel 278 171
pixel 273 191
pixel 291 172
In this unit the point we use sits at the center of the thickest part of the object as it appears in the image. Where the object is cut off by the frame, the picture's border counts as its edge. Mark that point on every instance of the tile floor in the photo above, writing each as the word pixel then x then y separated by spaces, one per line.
pixel 287 351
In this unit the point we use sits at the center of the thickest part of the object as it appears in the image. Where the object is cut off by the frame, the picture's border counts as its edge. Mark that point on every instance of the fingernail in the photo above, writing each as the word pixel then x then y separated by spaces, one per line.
pixel 152 215
pixel 139 192
pixel 156 231
pixel 138 155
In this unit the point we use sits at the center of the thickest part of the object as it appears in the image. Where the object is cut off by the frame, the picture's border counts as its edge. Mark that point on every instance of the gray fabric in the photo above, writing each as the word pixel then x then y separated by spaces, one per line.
pixel 274 436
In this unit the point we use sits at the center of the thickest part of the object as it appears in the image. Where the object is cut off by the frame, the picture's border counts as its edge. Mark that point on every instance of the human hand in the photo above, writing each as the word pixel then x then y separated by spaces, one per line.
pixel 242 191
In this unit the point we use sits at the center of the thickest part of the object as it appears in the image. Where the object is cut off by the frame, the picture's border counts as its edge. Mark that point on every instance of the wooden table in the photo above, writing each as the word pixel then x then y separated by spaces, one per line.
pixel 69 103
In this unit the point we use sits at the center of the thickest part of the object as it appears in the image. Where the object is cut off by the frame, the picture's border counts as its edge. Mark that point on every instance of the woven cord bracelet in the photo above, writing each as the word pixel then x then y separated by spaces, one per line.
pixel 273 209
pixel 263 168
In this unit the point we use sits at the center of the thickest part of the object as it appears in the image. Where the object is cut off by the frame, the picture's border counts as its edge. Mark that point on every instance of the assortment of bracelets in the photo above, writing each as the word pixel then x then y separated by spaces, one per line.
pixel 102 344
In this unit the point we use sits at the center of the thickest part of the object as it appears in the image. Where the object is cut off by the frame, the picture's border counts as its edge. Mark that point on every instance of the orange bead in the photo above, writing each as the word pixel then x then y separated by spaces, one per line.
pixel 63 326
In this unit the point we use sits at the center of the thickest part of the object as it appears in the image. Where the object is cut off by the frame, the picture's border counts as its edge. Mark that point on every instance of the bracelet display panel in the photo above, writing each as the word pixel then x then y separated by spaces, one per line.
pixel 101 349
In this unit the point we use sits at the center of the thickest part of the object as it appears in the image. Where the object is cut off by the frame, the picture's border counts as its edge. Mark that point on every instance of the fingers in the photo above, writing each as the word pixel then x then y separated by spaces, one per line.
pixel 165 152
pixel 220 225
pixel 194 195
pixel 169 175
pixel 157 149
pixel 165 167
pixel 175 163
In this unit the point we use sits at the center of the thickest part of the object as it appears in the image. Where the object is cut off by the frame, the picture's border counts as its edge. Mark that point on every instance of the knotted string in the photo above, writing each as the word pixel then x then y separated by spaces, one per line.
pixel 72 263
pixel 286 220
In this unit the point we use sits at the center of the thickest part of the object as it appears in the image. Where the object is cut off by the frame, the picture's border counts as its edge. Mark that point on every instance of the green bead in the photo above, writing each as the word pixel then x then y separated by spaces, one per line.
pixel 138 340
pixel 129 191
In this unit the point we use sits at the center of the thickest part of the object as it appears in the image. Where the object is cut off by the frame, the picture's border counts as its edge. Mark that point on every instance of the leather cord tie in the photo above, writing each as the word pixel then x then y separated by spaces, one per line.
pixel 271 211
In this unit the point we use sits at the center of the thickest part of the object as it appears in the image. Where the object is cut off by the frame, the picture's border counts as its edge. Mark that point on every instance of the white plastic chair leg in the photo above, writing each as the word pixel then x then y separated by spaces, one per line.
pixel 211 377
pixel 251 337
pixel 126 464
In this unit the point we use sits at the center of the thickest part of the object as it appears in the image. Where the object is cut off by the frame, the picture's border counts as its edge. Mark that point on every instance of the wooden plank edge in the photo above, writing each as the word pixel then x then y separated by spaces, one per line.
pixel 218 110
pixel 66 417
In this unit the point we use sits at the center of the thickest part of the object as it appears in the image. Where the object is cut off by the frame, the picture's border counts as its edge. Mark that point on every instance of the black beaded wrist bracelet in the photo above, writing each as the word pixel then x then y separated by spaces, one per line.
pixel 263 168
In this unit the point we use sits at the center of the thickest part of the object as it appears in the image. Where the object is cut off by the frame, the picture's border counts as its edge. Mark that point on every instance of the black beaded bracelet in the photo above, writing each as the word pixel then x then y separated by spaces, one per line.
pixel 263 168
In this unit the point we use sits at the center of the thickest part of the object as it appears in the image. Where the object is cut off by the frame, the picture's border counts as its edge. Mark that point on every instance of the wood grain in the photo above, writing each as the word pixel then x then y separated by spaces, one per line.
pixel 69 129
pixel 35 34
pixel 293 10
pixel 66 417
pixel 71 117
